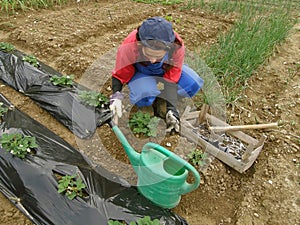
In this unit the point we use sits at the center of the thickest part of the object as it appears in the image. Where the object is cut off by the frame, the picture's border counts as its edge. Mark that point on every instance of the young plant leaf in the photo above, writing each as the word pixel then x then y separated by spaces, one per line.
pixel 31 59
pixel 3 109
pixel 93 98
pixel 17 144
pixel 6 47
pixel 66 81
pixel 71 185
pixel 143 123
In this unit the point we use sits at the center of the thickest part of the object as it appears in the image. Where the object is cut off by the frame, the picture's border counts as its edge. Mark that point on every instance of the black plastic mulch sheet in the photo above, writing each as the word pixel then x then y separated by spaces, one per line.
pixel 61 102
pixel 31 183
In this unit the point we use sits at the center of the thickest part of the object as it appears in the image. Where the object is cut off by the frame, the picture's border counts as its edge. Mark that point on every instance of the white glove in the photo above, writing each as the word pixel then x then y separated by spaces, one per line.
pixel 116 105
pixel 172 122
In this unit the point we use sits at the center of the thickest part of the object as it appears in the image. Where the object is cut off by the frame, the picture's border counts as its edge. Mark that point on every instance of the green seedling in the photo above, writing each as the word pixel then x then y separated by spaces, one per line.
pixel 17 144
pixel 6 47
pixel 3 109
pixel 143 123
pixel 93 98
pixel 72 186
pixel 196 157
pixel 31 59
pixel 62 80
pixel 143 221
pixel 169 18
pixel 177 21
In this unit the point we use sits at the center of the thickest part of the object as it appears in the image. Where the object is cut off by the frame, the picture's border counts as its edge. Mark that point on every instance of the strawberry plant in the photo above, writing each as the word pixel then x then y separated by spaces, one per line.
pixel 93 98
pixel 6 47
pixel 146 221
pixel 62 80
pixel 3 109
pixel 17 144
pixel 142 221
pixel 72 186
pixel 143 123
pixel 31 59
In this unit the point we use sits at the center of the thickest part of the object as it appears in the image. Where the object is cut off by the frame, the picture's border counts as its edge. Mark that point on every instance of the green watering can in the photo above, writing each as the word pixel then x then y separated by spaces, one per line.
pixel 161 173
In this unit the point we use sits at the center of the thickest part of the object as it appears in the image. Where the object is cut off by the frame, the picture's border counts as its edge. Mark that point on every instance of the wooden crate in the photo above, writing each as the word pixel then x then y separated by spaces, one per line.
pixel 190 122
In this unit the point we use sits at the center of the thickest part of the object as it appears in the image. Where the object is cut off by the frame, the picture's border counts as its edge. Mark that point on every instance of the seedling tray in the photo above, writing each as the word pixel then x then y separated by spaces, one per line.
pixel 234 148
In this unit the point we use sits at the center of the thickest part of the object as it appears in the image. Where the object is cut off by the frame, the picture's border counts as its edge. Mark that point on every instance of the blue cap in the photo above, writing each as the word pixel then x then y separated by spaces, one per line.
pixel 156 28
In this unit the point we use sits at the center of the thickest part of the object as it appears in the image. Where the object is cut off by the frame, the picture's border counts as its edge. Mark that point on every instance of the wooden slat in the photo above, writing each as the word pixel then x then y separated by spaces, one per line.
pixel 203 113
pixel 254 146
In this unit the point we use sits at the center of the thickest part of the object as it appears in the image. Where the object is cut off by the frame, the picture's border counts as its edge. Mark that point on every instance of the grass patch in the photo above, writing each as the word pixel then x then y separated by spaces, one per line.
pixel 11 6
pixel 244 6
pixel 261 25
pixel 244 48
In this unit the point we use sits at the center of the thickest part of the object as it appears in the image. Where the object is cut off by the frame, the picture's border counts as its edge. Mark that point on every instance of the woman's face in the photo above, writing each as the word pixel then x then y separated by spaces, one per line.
pixel 153 55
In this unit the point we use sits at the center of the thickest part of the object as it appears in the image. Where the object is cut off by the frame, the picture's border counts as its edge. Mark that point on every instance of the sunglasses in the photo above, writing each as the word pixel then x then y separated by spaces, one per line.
pixel 156 44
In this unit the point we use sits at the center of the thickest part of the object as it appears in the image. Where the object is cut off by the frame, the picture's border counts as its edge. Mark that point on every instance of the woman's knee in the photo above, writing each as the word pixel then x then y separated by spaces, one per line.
pixel 189 83
pixel 143 90
pixel 147 101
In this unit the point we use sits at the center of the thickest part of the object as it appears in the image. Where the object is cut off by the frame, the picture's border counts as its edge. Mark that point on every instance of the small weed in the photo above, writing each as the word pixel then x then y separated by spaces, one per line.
pixel 17 144
pixel 169 18
pixel 62 80
pixel 93 98
pixel 6 47
pixel 196 157
pixel 3 109
pixel 177 21
pixel 31 59
pixel 71 186
pixel 143 123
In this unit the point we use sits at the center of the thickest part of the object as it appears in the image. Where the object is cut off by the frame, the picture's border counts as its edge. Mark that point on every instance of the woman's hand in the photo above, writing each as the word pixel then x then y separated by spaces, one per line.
pixel 173 123
pixel 116 105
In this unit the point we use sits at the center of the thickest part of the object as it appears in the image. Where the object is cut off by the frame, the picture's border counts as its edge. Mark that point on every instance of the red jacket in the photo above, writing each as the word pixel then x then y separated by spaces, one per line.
pixel 129 53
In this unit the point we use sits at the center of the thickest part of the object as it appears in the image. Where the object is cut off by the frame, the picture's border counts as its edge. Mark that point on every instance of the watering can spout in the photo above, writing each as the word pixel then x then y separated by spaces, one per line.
pixel 134 157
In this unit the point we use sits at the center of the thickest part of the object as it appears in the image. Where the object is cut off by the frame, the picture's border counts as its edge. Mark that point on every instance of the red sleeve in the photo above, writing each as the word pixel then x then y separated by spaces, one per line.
pixel 126 57
pixel 177 61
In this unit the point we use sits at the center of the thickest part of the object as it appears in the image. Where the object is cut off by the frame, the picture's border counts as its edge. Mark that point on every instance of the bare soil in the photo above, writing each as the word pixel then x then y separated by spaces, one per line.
pixel 75 39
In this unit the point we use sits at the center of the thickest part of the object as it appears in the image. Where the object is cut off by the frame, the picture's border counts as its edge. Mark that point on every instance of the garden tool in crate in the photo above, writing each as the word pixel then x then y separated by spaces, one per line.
pixel 221 140
pixel 162 175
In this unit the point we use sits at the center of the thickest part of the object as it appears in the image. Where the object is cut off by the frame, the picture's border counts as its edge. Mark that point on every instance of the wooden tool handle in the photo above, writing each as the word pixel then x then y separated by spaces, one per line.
pixel 244 127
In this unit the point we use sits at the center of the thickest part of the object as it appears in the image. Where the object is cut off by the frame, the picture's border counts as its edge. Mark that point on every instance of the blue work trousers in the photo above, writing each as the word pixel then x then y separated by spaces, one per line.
pixel 143 85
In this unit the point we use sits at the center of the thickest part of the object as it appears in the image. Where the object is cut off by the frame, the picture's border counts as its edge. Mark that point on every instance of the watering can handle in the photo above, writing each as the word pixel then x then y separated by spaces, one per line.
pixel 187 187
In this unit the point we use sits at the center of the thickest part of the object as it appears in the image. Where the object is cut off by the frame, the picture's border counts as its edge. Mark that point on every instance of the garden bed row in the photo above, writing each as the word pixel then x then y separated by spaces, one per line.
pixel 45 177
pixel 63 98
